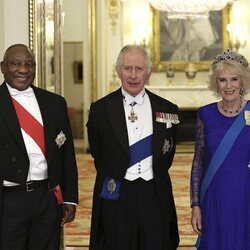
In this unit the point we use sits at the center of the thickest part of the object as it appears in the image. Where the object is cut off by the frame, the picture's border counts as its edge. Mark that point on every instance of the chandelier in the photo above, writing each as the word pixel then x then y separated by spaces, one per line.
pixel 189 9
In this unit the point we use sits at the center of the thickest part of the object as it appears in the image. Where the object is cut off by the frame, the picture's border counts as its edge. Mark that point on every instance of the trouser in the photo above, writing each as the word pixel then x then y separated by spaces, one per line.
pixel 135 221
pixel 30 220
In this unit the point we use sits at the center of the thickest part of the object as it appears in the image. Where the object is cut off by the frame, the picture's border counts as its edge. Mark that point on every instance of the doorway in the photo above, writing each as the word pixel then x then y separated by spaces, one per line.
pixel 73 85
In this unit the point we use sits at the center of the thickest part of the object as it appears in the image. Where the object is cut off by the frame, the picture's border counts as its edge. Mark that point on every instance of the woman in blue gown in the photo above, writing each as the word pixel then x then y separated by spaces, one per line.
pixel 220 176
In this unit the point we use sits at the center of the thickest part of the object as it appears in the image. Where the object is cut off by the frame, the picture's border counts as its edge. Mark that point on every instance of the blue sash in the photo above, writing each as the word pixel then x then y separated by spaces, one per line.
pixel 138 151
pixel 221 153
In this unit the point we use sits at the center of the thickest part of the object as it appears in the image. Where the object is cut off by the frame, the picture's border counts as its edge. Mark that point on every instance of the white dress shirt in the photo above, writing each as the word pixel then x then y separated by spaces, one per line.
pixel 141 128
pixel 38 163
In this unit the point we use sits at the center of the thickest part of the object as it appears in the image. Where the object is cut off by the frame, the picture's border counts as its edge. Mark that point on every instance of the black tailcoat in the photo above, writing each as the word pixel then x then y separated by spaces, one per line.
pixel 61 161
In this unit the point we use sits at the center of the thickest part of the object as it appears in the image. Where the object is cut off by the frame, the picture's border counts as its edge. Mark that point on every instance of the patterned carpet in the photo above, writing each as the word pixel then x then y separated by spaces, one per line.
pixel 77 232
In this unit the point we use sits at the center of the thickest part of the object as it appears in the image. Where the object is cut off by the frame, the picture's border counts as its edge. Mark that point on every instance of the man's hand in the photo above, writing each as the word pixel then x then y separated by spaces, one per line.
pixel 69 212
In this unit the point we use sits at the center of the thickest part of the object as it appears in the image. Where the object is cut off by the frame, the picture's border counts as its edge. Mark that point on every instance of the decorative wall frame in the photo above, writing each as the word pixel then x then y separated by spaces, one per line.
pixel 179 42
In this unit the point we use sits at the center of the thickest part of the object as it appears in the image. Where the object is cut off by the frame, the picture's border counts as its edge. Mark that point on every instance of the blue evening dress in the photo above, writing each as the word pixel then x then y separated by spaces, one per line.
pixel 226 205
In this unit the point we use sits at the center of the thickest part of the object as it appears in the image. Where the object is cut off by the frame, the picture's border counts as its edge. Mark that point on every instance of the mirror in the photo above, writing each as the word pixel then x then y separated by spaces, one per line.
pixel 73 85
pixel 45 41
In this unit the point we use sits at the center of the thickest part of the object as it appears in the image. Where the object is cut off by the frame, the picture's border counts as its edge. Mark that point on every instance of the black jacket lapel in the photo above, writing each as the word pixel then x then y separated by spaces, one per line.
pixel 9 114
pixel 116 113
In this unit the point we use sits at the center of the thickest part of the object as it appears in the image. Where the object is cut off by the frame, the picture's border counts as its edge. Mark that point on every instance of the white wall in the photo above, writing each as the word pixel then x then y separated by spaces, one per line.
pixel 75 20
pixel 14 24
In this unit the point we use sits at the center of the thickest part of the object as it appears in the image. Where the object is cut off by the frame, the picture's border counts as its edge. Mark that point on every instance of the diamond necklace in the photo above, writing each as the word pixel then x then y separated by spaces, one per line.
pixel 231 111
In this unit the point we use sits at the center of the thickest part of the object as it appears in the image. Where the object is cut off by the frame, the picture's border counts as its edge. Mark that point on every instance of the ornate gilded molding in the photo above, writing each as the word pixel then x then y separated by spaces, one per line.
pixel 113 11
pixel 115 82
pixel 31 24
pixel 92 31
pixel 58 45
pixel 37 39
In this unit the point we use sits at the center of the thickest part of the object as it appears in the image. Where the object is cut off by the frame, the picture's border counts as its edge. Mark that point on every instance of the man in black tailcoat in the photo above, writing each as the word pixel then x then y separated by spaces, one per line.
pixel 38 173
pixel 132 137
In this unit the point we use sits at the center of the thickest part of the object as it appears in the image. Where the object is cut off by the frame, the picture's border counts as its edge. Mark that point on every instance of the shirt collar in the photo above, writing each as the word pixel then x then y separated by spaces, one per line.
pixel 16 92
pixel 130 99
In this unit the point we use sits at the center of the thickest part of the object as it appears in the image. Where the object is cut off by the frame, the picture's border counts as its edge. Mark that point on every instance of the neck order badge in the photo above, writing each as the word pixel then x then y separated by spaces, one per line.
pixel 132 117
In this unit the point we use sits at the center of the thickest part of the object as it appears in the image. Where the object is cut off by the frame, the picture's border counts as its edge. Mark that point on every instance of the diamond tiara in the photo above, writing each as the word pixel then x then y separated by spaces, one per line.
pixel 230 55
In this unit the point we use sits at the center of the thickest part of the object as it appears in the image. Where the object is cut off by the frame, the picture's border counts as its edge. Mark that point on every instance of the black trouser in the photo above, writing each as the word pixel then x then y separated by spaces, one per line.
pixel 30 220
pixel 135 221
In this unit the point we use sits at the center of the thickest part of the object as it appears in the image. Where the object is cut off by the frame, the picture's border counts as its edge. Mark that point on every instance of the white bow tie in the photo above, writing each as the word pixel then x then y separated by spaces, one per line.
pixel 26 92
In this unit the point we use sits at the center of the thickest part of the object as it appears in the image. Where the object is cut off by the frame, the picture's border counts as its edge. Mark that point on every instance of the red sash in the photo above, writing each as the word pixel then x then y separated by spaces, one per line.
pixel 30 125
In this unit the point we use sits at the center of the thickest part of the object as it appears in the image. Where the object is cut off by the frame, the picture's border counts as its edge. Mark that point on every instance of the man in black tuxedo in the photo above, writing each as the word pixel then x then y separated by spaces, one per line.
pixel 132 140
pixel 38 173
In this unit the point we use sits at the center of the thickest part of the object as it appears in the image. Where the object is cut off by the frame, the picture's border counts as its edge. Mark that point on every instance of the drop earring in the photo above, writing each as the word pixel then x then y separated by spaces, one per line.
pixel 241 92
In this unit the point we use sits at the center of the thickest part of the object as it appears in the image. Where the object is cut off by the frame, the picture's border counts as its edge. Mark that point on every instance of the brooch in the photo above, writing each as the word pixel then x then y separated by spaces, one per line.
pixel 247 117
pixel 60 139
pixel 167 118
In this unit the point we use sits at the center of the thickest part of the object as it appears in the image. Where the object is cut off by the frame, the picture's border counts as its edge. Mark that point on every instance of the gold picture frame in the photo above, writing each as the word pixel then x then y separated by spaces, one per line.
pixel 171 47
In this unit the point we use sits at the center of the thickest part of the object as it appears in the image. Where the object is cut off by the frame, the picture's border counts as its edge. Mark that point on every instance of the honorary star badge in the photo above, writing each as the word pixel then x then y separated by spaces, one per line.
pixel 166 146
pixel 60 139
